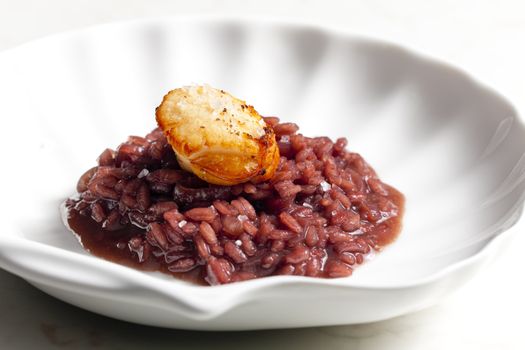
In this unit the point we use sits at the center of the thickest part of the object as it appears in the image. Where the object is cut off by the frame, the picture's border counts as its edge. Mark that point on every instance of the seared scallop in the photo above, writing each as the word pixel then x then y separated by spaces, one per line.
pixel 218 137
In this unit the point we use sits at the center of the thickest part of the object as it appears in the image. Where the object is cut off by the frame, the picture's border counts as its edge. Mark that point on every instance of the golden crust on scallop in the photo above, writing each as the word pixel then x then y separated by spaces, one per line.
pixel 218 137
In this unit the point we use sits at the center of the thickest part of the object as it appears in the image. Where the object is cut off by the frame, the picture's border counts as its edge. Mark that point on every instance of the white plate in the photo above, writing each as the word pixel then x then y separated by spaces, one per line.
pixel 454 147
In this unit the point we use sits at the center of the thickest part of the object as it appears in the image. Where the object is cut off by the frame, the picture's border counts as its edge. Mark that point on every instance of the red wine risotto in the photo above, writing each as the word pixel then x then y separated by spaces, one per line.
pixel 321 214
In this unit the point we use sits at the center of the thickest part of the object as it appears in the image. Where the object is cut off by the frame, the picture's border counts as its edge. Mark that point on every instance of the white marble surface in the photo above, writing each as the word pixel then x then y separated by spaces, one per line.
pixel 483 37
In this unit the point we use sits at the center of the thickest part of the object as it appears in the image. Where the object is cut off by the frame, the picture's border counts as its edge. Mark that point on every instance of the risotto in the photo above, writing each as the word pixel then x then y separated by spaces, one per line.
pixel 323 212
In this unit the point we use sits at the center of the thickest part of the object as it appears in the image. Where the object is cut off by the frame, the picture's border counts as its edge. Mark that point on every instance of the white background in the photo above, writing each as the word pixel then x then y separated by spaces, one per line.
pixel 486 38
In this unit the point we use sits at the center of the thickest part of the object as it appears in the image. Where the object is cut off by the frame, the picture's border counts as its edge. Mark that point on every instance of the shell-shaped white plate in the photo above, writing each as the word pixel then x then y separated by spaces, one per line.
pixel 453 147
